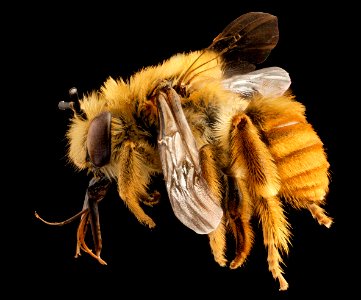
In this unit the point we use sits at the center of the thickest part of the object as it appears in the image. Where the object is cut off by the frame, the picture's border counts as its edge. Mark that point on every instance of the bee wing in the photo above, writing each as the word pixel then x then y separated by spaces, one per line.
pixel 269 82
pixel 190 197
pixel 247 41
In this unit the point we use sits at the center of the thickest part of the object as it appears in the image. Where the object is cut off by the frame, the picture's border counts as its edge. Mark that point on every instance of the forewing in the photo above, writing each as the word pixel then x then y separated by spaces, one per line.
pixel 247 41
pixel 190 197
pixel 269 82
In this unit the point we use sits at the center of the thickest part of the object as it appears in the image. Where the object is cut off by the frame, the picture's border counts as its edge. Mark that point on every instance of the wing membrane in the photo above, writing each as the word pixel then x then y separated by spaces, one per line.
pixel 269 82
pixel 190 197
pixel 247 41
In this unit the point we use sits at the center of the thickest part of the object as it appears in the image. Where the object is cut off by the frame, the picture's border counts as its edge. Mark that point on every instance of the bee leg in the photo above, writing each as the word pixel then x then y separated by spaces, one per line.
pixel 214 178
pixel 319 214
pixel 252 162
pixel 240 212
pixel 152 199
pixel 217 242
pixel 96 191
pixel 276 234
pixel 133 179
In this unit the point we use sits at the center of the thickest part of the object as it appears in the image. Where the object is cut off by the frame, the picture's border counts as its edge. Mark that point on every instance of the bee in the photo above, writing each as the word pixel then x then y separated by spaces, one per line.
pixel 229 139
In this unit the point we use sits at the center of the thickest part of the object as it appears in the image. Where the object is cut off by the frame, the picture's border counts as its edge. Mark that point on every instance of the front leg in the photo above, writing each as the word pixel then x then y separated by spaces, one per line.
pixel 134 173
pixel 96 191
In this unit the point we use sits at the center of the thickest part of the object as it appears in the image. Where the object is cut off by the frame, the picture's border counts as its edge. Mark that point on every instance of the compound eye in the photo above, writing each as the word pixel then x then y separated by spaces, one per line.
pixel 99 139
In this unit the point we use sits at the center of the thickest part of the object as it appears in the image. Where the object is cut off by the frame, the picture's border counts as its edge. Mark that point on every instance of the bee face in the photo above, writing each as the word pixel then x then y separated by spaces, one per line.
pixel 230 141
pixel 98 142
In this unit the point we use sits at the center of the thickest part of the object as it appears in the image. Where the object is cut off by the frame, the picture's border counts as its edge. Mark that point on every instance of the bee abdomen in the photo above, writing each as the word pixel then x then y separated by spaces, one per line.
pixel 301 162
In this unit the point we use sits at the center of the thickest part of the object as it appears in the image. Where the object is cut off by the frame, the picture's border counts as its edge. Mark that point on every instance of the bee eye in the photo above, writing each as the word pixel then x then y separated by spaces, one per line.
pixel 99 139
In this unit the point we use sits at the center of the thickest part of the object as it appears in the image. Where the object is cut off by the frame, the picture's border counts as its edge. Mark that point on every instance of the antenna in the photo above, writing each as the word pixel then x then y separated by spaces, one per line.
pixel 73 104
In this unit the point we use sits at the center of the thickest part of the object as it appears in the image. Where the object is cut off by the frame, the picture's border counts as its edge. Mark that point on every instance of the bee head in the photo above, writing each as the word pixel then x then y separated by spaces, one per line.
pixel 96 132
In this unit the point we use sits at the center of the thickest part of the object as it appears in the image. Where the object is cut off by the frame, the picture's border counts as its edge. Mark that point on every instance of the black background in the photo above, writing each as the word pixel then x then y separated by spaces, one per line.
pixel 54 47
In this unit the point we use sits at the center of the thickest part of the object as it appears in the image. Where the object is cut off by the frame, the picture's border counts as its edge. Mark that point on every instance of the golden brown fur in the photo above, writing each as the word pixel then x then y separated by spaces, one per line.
pixel 258 155
pixel 248 153
pixel 262 151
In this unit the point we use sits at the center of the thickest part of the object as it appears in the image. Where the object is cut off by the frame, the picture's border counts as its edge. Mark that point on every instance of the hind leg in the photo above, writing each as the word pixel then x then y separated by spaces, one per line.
pixel 320 215
pixel 253 163
pixel 276 234
pixel 308 189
